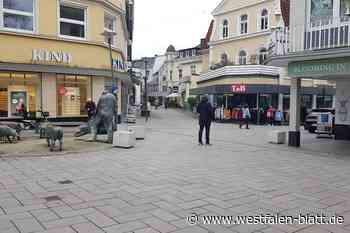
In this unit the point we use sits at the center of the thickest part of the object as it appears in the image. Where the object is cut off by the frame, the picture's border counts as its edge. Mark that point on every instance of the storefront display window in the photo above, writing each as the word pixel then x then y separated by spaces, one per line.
pixel 19 89
pixel 72 94
pixel 324 101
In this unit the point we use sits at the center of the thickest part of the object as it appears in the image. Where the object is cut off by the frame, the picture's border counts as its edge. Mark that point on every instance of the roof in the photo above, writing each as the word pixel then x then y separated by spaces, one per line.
pixel 206 40
pixel 171 49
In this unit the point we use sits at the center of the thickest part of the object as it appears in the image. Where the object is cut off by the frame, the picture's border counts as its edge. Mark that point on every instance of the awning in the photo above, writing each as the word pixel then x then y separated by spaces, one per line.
pixel 173 95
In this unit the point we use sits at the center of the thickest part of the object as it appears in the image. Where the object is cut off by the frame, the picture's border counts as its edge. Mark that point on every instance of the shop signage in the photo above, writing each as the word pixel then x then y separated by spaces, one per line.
pixel 239 88
pixel 319 68
pixel 119 65
pixel 45 56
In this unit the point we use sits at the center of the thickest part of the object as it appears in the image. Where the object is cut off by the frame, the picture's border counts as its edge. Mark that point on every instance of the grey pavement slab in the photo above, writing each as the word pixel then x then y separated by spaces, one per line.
pixel 155 186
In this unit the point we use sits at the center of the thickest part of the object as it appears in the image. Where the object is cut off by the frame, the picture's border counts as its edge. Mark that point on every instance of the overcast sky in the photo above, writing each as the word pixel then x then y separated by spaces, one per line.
pixel 159 23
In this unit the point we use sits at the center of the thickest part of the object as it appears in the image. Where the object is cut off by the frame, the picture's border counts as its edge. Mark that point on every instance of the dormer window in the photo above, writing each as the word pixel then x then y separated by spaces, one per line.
pixel 225 29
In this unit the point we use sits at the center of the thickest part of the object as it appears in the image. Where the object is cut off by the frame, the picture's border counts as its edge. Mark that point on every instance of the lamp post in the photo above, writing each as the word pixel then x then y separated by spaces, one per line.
pixel 145 101
pixel 110 35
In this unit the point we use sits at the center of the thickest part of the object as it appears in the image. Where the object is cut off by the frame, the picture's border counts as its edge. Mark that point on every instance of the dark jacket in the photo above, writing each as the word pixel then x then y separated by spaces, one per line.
pixel 206 112
pixel 90 108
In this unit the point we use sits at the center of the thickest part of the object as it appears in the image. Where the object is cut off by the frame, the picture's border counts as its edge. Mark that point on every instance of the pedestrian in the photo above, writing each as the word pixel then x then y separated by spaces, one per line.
pixel 240 117
pixel 206 115
pixel 279 118
pixel 270 115
pixel 90 108
pixel 246 117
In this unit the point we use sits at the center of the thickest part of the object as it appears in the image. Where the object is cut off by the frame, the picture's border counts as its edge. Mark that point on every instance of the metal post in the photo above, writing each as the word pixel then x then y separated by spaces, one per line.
pixel 114 83
pixel 146 94
pixel 258 108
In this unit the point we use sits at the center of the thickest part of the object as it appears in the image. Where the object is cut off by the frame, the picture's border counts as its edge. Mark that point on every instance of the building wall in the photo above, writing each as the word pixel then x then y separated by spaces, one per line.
pixel 234 9
pixel 342 116
pixel 49 94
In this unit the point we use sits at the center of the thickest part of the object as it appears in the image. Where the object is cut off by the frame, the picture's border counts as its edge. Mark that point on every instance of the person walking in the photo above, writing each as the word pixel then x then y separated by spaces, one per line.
pixel 246 117
pixel 270 116
pixel 90 108
pixel 279 118
pixel 206 115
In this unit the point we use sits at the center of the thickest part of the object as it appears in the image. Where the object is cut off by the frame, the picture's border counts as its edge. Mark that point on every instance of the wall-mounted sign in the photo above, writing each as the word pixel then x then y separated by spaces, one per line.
pixel 239 88
pixel 51 57
pixel 319 68
pixel 119 65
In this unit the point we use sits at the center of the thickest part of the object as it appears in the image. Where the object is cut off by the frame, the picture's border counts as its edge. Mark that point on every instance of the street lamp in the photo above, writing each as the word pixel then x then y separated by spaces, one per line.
pixel 110 35
pixel 145 102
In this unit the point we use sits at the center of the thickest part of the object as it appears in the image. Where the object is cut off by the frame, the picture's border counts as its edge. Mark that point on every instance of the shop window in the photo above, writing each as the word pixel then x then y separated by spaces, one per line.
pixel 243 22
pixel 72 94
pixel 16 88
pixel 17 15
pixel 72 21
pixel 264 20
pixel 324 101
pixel 109 26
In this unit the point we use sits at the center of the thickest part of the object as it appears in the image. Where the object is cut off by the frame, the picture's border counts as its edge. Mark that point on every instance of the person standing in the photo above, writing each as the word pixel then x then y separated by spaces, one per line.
pixel 270 116
pixel 279 118
pixel 206 115
pixel 90 108
pixel 246 117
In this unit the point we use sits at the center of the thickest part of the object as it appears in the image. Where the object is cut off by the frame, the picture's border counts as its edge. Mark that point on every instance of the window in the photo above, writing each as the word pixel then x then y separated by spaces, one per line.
pixel 243 21
pixel 344 10
pixel 72 22
pixel 171 75
pixel 225 29
pixel 264 20
pixel 321 11
pixel 72 94
pixel 193 69
pixel 262 56
pixel 242 57
pixel 17 15
pixel 180 74
pixel 110 25
pixel 224 59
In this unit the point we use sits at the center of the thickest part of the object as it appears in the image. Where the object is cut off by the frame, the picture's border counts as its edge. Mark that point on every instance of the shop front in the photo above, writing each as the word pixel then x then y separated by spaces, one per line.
pixel 335 70
pixel 229 98
pixel 57 77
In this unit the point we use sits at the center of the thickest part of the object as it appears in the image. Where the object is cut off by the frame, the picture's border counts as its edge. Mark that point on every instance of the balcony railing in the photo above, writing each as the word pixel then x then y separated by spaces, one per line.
pixel 326 34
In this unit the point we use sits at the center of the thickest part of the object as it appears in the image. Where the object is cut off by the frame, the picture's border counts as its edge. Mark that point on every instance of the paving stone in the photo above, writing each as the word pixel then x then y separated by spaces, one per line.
pixel 87 228
pixel 159 225
pixel 64 222
pixel 28 225
pixel 44 215
pixel 146 230
pixel 100 219
pixel 125 227
pixel 59 230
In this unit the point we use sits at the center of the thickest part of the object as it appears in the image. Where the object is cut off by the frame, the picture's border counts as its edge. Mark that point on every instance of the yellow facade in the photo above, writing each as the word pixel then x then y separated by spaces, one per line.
pixel 48 55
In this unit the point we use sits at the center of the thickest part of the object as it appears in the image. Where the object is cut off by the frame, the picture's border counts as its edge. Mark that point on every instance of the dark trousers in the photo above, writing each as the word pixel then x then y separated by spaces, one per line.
pixel 244 121
pixel 207 132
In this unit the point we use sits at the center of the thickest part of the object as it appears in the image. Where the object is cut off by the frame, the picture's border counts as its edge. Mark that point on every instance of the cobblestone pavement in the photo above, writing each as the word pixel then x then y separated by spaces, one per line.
pixel 157 185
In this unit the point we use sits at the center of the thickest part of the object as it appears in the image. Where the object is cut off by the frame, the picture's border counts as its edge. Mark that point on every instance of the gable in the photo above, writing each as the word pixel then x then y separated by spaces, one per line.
pixel 231 5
